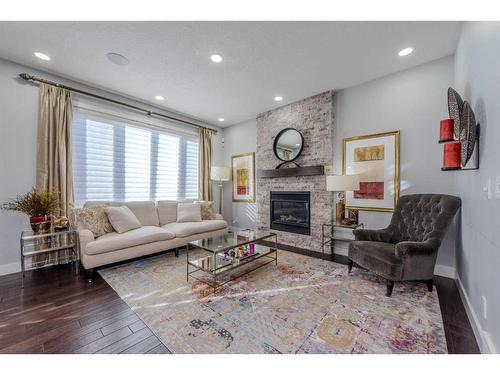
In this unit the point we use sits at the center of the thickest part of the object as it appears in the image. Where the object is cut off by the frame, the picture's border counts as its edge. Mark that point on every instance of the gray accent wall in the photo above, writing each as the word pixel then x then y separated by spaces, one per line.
pixel 477 76
pixel 238 139
pixel 412 101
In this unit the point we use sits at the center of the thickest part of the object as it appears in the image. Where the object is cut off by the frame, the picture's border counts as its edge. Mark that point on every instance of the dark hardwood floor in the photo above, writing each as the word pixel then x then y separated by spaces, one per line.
pixel 58 312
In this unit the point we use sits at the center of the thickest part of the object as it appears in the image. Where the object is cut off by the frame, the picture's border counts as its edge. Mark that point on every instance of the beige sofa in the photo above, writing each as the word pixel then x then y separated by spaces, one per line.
pixel 159 232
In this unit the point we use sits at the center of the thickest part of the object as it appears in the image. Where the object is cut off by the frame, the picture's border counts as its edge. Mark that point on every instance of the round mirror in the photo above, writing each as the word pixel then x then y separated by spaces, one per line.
pixel 288 144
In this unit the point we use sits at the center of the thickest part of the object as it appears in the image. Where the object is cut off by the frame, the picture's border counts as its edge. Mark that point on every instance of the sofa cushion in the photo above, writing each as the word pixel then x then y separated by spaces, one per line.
pixel 116 241
pixel 167 212
pixel 378 257
pixel 122 219
pixel 188 229
pixel 188 212
pixel 93 218
pixel 207 210
pixel 145 212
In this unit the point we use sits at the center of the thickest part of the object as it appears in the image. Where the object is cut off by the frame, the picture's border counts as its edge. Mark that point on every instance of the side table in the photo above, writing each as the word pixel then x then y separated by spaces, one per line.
pixel 328 236
pixel 61 246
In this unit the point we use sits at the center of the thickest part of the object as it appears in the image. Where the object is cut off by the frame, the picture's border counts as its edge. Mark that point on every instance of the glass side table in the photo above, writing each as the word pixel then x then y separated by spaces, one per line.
pixel 328 236
pixel 54 247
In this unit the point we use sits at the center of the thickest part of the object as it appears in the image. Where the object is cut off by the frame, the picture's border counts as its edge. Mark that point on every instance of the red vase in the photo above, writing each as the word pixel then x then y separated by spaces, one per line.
pixel 41 224
pixel 451 155
pixel 446 130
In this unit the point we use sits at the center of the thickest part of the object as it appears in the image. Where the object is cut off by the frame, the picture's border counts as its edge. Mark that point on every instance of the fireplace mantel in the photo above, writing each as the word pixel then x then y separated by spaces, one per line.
pixel 317 170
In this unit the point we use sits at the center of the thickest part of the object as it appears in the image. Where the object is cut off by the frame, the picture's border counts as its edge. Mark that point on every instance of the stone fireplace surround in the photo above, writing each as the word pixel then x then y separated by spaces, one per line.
pixel 313 117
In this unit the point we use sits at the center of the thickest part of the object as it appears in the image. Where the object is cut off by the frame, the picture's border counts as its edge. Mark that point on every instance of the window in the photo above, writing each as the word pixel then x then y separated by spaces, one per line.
pixel 120 160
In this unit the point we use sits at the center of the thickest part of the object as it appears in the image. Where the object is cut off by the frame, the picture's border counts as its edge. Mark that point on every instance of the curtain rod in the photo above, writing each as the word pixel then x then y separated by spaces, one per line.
pixel 29 77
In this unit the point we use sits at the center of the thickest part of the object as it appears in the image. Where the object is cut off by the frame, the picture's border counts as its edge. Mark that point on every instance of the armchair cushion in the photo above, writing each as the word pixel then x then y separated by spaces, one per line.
pixel 411 247
pixel 378 257
pixel 380 235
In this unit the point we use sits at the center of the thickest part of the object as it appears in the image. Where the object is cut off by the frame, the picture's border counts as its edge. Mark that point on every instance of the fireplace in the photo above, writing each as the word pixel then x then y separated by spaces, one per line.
pixel 290 211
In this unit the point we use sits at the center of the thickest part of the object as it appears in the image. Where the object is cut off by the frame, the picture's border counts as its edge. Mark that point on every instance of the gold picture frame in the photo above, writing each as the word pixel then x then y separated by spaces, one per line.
pixel 247 178
pixel 395 189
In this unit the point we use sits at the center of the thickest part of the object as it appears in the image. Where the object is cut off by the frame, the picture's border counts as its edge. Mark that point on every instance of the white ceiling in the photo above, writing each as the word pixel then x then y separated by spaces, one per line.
pixel 261 59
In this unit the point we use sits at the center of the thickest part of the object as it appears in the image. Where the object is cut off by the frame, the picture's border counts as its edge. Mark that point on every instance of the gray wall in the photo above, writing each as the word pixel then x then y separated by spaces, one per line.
pixel 477 75
pixel 238 139
pixel 18 126
pixel 413 101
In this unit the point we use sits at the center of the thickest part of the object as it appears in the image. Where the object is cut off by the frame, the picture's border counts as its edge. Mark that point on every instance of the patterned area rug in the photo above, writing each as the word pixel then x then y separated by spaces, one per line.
pixel 303 305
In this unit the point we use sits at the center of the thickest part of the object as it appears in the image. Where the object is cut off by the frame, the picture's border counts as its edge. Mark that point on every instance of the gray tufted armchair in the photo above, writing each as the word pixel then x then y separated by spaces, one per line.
pixel 408 247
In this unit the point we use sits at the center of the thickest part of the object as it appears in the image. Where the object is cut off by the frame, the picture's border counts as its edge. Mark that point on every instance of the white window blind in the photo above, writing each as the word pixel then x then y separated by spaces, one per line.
pixel 120 160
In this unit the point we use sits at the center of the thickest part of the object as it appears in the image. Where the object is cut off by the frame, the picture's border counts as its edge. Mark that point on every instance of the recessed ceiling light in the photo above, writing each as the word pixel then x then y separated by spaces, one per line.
pixel 405 51
pixel 42 56
pixel 278 98
pixel 117 59
pixel 216 58
pixel 220 119
pixel 159 97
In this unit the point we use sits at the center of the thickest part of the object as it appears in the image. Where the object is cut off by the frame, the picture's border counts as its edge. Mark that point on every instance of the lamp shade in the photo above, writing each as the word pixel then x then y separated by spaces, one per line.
pixel 219 174
pixel 342 183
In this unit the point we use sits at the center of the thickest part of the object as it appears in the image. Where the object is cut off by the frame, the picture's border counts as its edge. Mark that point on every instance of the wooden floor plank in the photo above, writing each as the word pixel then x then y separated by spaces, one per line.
pixel 104 341
pixel 143 346
pixel 126 342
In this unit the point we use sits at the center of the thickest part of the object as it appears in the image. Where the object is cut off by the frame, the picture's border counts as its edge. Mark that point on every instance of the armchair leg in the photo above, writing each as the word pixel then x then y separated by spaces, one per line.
pixel 390 287
pixel 350 263
pixel 89 273
pixel 176 252
pixel 429 283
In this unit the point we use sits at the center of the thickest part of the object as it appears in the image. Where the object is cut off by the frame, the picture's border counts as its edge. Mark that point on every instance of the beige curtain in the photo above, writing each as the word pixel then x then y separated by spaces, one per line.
pixel 205 163
pixel 54 167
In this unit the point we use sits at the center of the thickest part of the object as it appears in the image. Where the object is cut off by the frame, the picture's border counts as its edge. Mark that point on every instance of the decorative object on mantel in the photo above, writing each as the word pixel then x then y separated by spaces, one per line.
pixel 375 158
pixel 243 177
pixel 39 205
pixel 459 150
pixel 288 146
pixel 219 175
pixel 341 184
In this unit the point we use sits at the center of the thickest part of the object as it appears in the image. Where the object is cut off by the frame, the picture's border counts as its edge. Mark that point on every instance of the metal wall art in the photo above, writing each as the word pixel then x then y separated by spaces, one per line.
pixel 465 131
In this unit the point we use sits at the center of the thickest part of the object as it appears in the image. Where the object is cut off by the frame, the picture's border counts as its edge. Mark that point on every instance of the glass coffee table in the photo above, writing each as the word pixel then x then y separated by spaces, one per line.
pixel 228 252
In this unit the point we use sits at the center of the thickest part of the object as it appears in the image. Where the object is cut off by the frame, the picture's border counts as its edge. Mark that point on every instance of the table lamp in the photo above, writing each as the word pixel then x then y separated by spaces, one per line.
pixel 220 175
pixel 340 184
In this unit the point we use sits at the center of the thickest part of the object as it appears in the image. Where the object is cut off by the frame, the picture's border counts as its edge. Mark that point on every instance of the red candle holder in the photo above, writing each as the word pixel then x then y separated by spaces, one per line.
pixel 451 155
pixel 446 130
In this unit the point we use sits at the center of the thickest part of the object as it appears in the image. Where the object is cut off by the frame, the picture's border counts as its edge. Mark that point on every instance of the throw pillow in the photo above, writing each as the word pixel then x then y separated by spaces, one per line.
pixel 122 219
pixel 92 218
pixel 188 212
pixel 207 210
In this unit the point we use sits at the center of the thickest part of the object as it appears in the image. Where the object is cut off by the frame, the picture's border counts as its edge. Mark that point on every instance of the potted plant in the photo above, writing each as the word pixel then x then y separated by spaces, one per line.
pixel 39 205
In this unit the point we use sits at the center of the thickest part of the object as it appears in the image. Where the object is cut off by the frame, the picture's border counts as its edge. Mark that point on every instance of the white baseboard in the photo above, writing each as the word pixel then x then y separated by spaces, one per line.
pixel 8 268
pixel 482 337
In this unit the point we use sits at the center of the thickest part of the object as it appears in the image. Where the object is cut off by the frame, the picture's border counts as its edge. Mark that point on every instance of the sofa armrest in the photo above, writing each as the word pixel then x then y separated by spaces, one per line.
pixel 85 236
pixel 378 235
pixel 219 217
pixel 412 248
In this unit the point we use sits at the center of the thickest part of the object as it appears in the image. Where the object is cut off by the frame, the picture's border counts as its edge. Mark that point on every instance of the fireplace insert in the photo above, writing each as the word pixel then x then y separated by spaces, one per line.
pixel 290 211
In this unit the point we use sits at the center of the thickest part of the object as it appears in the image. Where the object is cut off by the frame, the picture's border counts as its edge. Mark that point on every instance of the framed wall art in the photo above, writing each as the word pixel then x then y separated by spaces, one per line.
pixel 375 158
pixel 243 177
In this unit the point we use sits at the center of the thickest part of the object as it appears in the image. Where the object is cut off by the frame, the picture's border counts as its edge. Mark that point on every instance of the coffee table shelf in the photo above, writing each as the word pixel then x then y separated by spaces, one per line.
pixel 218 264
